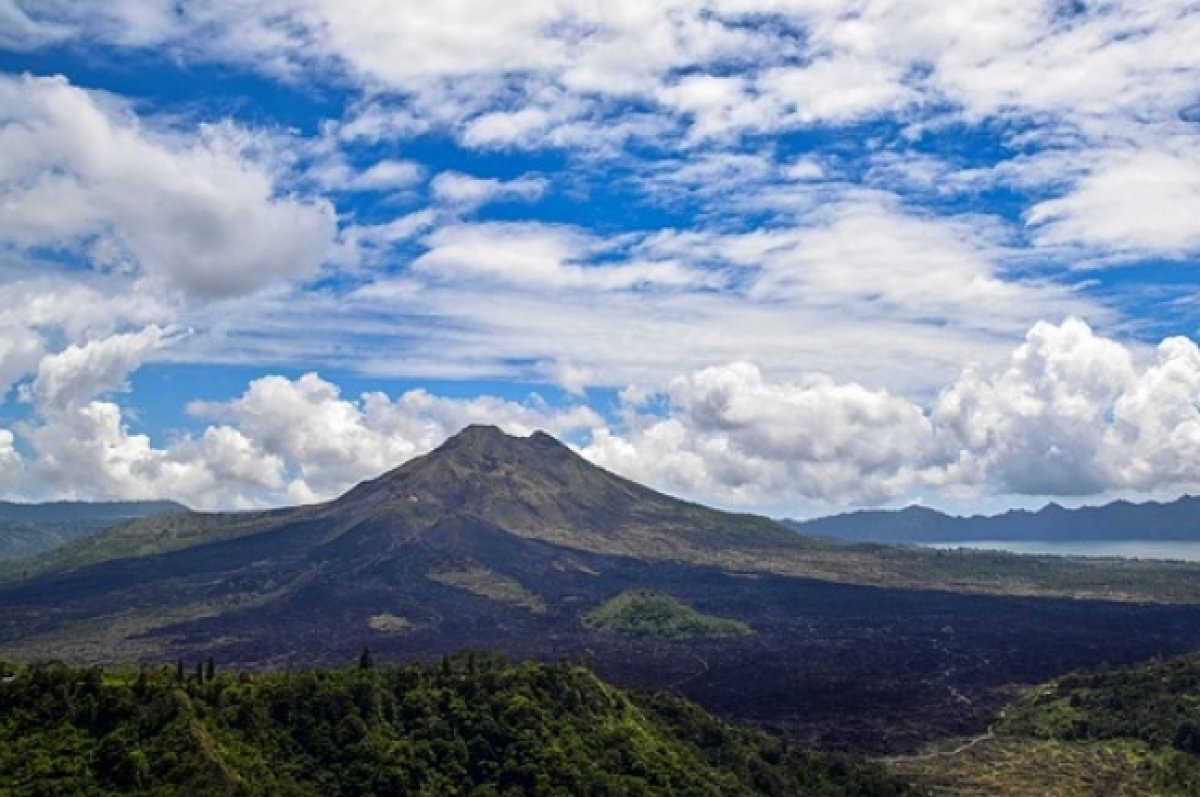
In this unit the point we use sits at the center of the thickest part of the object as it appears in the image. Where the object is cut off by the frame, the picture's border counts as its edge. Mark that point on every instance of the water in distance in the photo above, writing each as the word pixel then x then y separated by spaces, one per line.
pixel 1185 551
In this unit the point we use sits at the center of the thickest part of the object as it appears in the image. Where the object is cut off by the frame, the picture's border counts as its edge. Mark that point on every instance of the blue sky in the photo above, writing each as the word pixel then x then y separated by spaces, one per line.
pixel 783 255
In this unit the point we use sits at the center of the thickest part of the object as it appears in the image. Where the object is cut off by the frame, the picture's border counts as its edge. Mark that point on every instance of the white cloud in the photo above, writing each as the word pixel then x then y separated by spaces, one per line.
pixel 466 192
pixel 1106 85
pixel 500 72
pixel 88 452
pixel 10 459
pixel 849 283
pixel 732 435
pixel 282 441
pixel 79 373
pixel 1128 201
pixel 863 252
pixel 805 169
pixel 535 256
pixel 20 352
pixel 388 174
pixel 1070 414
pixel 19 32
pixel 80 172
pixel 1037 427
pixel 40 314
pixel 1154 436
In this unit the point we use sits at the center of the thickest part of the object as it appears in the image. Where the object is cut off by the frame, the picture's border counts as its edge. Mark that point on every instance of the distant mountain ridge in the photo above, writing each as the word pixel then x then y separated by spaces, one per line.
pixel 30 529
pixel 87 510
pixel 1174 521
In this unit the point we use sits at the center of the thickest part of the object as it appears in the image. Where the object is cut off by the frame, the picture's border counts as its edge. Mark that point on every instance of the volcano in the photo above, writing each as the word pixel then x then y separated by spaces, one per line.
pixel 513 543
pixel 485 516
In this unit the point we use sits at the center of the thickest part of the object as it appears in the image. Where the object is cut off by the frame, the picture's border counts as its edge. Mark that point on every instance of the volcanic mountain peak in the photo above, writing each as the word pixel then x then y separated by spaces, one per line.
pixel 487 474
pixel 482 444
pixel 534 487
pixel 478 460
pixel 479 483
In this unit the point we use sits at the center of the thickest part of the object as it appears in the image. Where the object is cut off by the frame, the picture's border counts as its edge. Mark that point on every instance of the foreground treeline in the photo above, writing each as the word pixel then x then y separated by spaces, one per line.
pixel 471 724
pixel 1156 705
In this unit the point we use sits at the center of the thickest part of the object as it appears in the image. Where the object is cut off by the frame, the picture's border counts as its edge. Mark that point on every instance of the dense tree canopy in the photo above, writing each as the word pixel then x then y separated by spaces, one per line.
pixel 468 725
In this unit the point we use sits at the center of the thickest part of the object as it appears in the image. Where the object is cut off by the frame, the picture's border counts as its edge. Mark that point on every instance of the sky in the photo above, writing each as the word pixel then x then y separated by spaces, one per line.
pixel 788 256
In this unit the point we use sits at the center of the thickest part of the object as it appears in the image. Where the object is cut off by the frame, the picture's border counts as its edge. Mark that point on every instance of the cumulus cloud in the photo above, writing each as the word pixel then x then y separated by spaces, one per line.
pixel 1070 414
pixel 732 434
pixel 78 373
pixel 1154 436
pixel 282 441
pixel 45 314
pixel 79 171
pixel 9 458
pixel 1038 426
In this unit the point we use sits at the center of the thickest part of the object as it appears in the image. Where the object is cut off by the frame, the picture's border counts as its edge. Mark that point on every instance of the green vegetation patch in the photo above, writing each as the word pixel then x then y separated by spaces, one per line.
pixel 651 614
pixel 1157 702
pixel 491 585
pixel 1128 731
pixel 470 724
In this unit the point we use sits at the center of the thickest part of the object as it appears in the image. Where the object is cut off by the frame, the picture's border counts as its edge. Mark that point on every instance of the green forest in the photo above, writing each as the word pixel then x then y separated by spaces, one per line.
pixel 470 724
pixel 1156 704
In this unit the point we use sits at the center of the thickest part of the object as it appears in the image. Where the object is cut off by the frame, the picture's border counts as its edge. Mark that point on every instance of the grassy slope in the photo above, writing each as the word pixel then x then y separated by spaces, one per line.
pixel 1133 730
pixel 471 725
pixel 24 538
pixel 652 614
pixel 30 529
pixel 148 537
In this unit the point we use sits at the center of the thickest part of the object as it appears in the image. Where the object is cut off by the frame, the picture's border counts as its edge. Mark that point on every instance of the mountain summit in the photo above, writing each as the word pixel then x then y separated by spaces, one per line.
pixel 538 488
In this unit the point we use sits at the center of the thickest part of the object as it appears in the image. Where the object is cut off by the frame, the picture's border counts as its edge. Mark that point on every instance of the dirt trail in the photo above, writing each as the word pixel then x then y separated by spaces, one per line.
pixel 962 748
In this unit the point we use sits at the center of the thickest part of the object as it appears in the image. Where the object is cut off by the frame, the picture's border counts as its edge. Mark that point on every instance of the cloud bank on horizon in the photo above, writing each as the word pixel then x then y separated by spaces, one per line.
pixel 780 254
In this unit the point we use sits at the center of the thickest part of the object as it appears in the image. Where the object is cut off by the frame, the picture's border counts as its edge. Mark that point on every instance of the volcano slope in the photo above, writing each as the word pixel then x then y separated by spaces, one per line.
pixel 508 543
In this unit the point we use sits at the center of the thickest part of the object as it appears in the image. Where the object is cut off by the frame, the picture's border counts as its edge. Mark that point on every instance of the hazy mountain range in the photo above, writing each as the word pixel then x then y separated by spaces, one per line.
pixel 1175 521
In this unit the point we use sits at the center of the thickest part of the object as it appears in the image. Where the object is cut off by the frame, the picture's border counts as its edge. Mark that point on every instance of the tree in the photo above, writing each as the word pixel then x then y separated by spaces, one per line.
pixel 210 669
pixel 366 660
pixel 179 670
